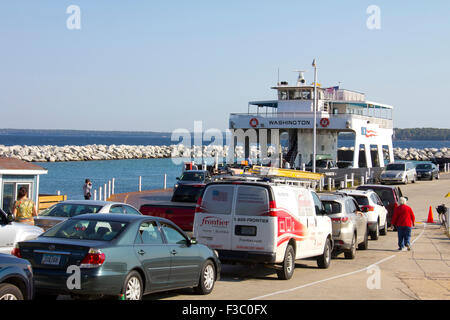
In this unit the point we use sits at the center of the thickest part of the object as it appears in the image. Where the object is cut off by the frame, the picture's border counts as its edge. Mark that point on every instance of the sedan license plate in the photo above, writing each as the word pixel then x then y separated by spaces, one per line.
pixel 51 259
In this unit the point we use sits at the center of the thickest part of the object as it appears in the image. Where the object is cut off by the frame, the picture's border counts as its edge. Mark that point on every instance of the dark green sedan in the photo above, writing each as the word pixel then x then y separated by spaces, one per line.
pixel 125 256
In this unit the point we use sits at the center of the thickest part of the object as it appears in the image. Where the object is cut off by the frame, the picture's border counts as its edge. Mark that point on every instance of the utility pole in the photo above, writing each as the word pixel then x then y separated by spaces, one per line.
pixel 315 117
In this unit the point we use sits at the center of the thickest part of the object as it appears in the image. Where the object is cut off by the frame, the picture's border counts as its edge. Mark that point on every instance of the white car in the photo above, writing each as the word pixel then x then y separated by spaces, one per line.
pixel 399 172
pixel 373 207
pixel 260 222
pixel 12 232
pixel 71 208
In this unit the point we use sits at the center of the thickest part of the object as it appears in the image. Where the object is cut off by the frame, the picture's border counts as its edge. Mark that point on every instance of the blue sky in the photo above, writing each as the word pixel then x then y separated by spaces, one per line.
pixel 160 65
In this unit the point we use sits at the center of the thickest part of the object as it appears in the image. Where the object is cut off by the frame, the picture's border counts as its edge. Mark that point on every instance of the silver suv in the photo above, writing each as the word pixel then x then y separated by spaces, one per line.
pixel 399 172
pixel 348 222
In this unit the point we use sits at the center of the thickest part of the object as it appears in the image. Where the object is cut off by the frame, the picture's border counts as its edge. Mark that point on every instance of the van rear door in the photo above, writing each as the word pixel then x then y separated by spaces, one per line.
pixel 213 220
pixel 253 227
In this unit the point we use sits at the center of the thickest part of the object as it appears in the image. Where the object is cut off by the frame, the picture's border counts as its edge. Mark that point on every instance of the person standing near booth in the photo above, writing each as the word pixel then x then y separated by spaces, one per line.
pixel 24 209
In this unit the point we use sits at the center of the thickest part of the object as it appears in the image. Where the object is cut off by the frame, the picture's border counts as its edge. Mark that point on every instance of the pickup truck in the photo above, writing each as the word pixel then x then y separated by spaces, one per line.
pixel 180 209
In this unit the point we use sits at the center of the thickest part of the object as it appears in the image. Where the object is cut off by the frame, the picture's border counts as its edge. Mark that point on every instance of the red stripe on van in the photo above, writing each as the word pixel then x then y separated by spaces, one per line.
pixel 289 225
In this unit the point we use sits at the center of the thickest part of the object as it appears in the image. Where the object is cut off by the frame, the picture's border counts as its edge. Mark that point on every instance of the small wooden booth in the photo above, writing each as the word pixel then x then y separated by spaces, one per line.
pixel 14 174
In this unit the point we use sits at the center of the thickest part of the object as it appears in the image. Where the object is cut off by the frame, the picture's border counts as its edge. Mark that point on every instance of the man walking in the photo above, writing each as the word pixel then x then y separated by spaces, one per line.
pixel 404 220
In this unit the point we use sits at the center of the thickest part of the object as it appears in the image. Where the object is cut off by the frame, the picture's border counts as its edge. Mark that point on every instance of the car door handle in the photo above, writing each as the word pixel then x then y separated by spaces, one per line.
pixel 141 252
pixel 173 252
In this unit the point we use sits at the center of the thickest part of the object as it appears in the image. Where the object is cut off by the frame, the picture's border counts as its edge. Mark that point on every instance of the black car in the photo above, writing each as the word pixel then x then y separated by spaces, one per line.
pixel 427 171
pixel 16 278
pixel 118 255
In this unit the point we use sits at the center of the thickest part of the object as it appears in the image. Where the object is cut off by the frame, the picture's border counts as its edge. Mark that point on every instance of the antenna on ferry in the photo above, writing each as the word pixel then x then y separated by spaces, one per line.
pixel 301 78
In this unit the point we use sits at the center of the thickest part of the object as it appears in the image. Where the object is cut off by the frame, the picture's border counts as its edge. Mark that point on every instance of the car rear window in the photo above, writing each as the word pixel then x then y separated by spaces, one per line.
pixel 395 166
pixel 79 229
pixel 187 193
pixel 252 201
pixel 69 210
pixel 193 176
pixel 218 199
pixel 332 207
pixel 362 200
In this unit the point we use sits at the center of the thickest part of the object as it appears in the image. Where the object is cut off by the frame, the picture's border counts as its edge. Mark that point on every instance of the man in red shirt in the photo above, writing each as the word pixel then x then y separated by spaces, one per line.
pixel 404 220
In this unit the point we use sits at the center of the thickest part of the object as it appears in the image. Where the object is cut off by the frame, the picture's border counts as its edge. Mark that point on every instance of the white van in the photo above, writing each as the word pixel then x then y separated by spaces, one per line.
pixel 264 223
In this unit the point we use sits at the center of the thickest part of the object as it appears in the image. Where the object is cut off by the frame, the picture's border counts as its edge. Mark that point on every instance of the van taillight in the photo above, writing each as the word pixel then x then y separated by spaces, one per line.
pixel 198 207
pixel 273 211
pixel 93 259
pixel 16 252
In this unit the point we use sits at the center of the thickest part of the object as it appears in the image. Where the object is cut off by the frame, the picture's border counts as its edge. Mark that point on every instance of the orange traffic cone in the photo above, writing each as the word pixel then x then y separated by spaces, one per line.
pixel 430 216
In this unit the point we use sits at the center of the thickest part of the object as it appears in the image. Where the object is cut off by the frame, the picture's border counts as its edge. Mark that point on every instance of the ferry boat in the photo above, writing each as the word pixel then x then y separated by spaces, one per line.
pixel 292 113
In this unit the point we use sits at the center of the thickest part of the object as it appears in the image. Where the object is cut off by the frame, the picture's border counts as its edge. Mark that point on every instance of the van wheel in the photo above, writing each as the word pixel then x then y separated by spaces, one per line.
pixel 288 265
pixel 365 245
pixel 207 278
pixel 323 261
pixel 351 254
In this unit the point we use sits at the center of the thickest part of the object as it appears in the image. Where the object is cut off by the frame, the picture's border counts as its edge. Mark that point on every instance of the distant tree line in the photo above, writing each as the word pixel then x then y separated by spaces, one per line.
pixel 421 134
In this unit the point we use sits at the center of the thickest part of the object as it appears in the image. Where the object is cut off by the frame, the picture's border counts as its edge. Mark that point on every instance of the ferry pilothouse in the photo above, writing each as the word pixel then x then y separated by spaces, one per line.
pixel 338 111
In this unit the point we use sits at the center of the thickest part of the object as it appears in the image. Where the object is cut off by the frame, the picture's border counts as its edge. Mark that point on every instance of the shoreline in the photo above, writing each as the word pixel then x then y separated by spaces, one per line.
pixel 95 152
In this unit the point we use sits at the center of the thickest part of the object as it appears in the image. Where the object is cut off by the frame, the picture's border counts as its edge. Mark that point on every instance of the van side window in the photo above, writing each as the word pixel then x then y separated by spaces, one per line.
pixel 252 201
pixel 218 199
pixel 317 203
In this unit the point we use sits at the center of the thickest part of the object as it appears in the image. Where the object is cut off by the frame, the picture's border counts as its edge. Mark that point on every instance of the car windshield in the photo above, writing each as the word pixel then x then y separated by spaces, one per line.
pixel 332 207
pixel 362 200
pixel 193 176
pixel 395 166
pixel 187 193
pixel 424 166
pixel 79 229
pixel 67 210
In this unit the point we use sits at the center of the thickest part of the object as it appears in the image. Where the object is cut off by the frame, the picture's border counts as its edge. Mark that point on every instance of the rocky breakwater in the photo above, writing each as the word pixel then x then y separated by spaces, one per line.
pixel 421 154
pixel 104 152
pixel 120 152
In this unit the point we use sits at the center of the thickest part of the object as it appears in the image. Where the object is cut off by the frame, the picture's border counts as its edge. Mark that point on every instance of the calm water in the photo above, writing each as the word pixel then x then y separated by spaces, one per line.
pixel 68 177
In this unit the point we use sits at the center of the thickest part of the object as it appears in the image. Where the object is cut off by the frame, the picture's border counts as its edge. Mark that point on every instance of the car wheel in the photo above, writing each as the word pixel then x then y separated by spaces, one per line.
pixel 375 234
pixel 365 245
pixel 133 287
pixel 288 266
pixel 323 261
pixel 414 179
pixel 207 278
pixel 10 292
pixel 383 231
pixel 351 254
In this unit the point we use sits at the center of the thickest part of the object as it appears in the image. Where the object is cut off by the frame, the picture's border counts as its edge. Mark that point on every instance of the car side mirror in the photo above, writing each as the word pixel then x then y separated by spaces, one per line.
pixel 178 178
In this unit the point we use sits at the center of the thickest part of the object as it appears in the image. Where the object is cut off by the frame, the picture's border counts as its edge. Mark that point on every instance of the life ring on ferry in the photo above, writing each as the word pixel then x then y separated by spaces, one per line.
pixel 324 122
pixel 254 122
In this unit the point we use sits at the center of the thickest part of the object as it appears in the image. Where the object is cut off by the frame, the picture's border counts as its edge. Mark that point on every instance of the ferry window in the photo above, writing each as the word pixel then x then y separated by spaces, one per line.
pixel 295 95
pixel 252 201
pixel 283 95
pixel 306 95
